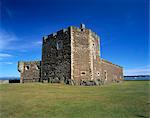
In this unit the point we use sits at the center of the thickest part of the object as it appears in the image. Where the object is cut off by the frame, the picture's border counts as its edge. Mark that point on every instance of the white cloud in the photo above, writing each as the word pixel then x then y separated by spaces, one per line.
pixel 6 63
pixel 4 55
pixel 6 40
pixel 9 41
pixel 38 42
pixel 137 71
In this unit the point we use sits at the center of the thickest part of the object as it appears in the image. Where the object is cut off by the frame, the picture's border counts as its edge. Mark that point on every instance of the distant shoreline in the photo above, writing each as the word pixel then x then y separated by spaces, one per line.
pixel 137 77
pixel 9 78
pixel 130 77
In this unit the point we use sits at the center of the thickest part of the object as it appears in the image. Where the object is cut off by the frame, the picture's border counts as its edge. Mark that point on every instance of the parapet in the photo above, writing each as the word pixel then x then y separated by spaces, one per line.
pixel 54 35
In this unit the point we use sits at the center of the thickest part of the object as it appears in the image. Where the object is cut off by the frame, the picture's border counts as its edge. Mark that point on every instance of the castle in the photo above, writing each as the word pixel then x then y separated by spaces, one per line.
pixel 71 56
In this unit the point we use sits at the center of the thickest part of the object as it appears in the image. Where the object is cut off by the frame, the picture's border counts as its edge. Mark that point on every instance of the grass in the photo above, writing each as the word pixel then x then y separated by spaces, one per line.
pixel 129 99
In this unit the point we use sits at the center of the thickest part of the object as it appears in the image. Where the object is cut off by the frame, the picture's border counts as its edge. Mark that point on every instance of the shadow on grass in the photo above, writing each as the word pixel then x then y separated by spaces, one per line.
pixel 141 116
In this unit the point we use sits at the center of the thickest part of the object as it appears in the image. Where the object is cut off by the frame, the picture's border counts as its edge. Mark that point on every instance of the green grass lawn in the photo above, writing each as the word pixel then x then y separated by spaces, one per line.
pixel 129 99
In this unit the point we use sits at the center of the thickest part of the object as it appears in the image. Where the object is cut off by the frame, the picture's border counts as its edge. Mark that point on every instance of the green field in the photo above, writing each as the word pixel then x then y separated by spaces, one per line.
pixel 129 99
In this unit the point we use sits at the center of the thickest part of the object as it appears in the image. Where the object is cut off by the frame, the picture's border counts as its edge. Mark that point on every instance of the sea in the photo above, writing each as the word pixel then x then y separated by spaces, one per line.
pixel 139 77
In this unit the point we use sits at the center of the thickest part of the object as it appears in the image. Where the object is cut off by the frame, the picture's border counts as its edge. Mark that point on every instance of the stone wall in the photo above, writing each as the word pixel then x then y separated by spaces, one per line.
pixel 29 71
pixel 71 56
pixel 4 81
pixel 56 57
pixel 80 55
pixel 111 72
pixel 86 63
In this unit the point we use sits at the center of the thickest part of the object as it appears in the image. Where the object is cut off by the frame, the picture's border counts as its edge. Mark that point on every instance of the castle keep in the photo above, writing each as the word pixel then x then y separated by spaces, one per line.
pixel 71 56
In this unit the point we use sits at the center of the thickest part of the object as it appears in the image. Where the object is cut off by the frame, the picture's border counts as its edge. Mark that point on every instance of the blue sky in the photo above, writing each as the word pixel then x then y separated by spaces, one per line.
pixel 122 25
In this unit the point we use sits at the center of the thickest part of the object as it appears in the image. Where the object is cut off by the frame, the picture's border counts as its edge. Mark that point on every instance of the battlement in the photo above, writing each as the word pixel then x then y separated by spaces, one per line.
pixel 65 30
pixel 54 35
pixel 83 28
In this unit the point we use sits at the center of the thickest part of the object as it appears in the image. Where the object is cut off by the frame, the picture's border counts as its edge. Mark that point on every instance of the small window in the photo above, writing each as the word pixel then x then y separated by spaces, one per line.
pixel 83 73
pixel 105 75
pixel 37 67
pixel 45 73
pixel 59 45
pixel 27 68
pixel 98 73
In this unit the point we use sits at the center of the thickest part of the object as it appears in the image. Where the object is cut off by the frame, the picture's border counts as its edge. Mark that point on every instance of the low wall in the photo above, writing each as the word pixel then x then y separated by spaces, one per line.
pixel 4 81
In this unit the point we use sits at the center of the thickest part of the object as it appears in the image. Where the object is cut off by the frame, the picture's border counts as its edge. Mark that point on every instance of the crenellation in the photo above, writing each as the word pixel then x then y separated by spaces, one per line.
pixel 65 30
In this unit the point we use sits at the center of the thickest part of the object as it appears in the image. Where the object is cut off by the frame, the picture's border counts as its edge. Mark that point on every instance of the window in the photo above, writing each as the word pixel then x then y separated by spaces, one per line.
pixel 105 75
pixel 37 67
pixel 27 67
pixel 98 73
pixel 45 73
pixel 59 45
pixel 83 73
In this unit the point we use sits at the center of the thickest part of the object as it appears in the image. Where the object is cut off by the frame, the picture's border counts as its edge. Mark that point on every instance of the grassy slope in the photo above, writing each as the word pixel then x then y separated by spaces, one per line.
pixel 125 100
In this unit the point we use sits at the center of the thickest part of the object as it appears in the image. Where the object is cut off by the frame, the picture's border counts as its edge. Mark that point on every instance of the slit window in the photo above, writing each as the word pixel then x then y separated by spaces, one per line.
pixel 98 73
pixel 105 75
pixel 59 45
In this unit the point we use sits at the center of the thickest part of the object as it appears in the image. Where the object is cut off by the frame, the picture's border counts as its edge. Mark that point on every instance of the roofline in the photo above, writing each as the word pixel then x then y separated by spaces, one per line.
pixel 111 63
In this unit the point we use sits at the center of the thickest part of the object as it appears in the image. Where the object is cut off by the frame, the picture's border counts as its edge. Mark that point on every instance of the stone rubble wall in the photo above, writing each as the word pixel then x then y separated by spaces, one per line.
pixel 30 71
pixel 56 57
pixel 111 72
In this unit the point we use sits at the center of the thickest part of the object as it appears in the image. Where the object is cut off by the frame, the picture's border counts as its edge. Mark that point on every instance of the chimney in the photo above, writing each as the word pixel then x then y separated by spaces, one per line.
pixel 82 26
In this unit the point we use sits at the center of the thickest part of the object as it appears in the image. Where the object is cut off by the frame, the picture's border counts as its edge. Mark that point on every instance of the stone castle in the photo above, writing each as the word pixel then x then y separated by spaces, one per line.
pixel 71 56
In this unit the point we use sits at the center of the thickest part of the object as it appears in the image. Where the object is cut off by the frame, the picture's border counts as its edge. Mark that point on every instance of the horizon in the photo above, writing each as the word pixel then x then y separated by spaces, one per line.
pixel 122 26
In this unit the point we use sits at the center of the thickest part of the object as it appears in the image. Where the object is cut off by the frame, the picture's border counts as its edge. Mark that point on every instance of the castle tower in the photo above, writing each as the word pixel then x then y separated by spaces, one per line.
pixel 84 52
pixel 69 55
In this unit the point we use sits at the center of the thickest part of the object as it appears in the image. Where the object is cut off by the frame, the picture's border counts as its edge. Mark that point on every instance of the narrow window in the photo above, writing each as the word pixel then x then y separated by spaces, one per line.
pixel 59 45
pixel 45 73
pixel 98 73
pixel 105 75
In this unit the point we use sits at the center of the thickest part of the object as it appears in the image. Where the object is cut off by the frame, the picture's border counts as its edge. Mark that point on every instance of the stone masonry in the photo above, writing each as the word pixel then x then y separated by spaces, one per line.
pixel 71 56
pixel 29 71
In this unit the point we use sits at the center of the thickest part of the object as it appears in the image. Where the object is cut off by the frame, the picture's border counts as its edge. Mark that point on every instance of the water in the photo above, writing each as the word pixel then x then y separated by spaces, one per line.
pixel 147 77
pixel 9 78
